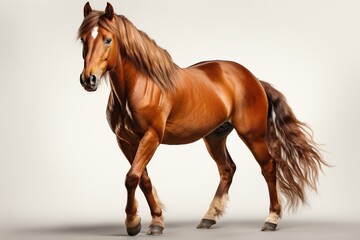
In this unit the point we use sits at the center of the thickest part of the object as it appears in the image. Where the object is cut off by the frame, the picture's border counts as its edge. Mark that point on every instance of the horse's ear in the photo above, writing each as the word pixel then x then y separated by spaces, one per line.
pixel 87 9
pixel 109 11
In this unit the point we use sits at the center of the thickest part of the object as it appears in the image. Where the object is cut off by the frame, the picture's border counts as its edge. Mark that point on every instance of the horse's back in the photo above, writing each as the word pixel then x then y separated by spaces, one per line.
pixel 234 81
pixel 209 94
pixel 248 104
pixel 230 74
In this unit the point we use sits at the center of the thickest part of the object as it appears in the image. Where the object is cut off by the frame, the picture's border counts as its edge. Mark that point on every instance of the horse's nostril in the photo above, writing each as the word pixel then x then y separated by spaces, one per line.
pixel 81 80
pixel 92 80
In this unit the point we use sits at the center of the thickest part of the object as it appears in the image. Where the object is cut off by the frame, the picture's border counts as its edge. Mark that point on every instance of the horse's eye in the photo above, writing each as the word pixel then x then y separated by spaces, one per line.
pixel 108 41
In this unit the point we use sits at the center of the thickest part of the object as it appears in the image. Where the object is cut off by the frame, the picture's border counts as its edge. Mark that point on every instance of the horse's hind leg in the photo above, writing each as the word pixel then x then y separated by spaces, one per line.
pixel 257 144
pixel 216 145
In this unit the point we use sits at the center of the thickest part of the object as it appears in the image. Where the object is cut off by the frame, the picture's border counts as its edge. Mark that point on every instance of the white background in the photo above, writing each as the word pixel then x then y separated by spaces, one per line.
pixel 59 161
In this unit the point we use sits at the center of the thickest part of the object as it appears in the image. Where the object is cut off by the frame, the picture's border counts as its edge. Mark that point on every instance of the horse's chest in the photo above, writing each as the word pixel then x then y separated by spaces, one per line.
pixel 123 127
pixel 125 131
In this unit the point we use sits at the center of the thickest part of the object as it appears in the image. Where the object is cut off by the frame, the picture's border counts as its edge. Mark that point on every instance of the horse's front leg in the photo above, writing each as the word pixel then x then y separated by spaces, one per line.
pixel 146 149
pixel 156 226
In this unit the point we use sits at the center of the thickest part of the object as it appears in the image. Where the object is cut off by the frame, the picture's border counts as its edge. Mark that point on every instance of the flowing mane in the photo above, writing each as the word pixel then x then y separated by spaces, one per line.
pixel 136 45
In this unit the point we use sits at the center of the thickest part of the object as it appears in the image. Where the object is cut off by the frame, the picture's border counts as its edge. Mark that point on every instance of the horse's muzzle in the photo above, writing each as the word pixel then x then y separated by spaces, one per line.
pixel 89 84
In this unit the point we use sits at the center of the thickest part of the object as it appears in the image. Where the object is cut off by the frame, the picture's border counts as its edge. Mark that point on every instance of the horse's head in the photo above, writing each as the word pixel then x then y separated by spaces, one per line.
pixel 99 45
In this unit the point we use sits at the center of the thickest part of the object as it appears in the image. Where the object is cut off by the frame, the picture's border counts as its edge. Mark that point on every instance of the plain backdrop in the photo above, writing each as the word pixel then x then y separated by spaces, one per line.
pixel 59 161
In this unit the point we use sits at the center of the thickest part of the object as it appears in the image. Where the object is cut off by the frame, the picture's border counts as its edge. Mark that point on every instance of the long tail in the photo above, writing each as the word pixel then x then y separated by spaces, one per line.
pixel 291 144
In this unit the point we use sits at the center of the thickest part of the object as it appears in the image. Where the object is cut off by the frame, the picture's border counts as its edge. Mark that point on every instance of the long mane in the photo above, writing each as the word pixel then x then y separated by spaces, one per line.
pixel 135 45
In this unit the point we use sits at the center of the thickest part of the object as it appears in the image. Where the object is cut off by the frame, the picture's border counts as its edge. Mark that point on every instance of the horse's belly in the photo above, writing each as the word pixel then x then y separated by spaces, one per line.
pixel 181 138
pixel 180 132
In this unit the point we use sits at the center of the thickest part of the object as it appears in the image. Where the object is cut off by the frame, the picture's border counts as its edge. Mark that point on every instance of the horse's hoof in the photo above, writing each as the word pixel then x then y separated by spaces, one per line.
pixel 268 226
pixel 134 230
pixel 206 223
pixel 155 230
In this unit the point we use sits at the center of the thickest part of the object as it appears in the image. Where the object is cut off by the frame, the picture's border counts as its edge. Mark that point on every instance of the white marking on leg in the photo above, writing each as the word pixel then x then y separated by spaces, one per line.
pixel 273 218
pixel 135 222
pixel 95 32
pixel 157 221
pixel 217 207
pixel 136 219
pixel 157 199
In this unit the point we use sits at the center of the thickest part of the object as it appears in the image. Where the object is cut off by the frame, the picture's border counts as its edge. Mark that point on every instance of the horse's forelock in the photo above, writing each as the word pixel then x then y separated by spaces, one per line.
pixel 93 19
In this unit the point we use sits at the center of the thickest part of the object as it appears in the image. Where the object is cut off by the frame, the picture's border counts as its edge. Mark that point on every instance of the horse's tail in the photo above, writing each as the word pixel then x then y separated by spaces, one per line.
pixel 291 144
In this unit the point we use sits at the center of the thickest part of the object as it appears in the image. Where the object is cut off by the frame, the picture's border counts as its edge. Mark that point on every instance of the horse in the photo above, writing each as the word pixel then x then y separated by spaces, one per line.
pixel 153 101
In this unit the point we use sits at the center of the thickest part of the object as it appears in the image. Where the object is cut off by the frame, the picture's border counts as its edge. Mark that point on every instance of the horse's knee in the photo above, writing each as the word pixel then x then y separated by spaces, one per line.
pixel 132 180
pixel 145 184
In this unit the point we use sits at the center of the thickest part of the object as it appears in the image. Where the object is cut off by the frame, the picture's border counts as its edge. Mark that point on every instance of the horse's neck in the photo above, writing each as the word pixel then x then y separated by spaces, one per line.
pixel 121 78
pixel 116 108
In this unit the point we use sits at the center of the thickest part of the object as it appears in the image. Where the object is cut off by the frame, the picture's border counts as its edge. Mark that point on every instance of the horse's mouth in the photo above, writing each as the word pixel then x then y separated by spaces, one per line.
pixel 90 88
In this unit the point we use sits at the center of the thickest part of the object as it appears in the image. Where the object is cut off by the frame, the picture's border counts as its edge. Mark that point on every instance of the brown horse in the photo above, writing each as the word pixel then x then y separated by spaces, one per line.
pixel 153 101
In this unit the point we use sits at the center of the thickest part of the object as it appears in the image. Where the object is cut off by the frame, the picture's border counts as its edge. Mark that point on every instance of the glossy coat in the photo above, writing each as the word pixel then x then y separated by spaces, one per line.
pixel 153 101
